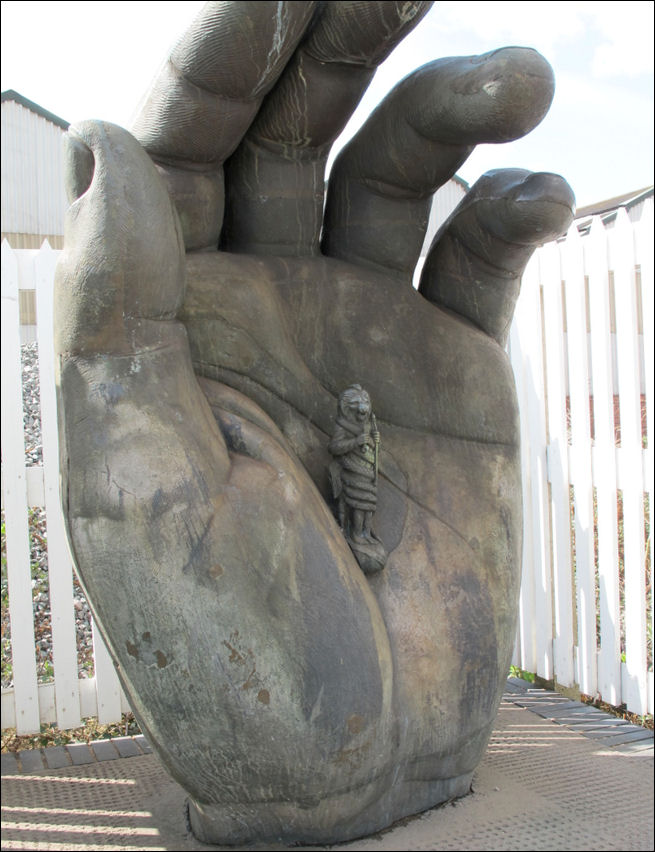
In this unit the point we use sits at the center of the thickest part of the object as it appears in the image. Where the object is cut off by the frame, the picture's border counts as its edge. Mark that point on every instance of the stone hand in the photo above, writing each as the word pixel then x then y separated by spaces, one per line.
pixel 202 347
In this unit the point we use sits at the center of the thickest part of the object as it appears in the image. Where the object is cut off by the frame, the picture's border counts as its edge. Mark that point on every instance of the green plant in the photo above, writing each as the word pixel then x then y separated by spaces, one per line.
pixel 515 671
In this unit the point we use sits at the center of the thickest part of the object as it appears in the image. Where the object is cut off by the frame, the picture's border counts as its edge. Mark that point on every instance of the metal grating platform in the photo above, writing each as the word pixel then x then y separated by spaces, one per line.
pixel 555 777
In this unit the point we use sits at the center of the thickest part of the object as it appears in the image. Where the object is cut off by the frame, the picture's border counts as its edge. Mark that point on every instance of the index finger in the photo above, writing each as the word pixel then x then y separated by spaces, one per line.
pixel 207 94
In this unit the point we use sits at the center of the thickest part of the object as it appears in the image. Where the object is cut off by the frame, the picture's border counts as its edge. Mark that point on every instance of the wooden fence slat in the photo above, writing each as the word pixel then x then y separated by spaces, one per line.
pixel 34 480
pixel 621 241
pixel 15 506
pixel 580 455
pixel 525 651
pixel 108 688
pixel 60 566
pixel 563 643
pixel 89 697
pixel 529 370
pixel 644 241
pixel 525 647
pixel 609 653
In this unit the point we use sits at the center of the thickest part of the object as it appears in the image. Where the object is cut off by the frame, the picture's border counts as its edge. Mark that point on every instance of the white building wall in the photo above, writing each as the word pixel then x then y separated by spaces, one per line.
pixel 32 191
pixel 444 201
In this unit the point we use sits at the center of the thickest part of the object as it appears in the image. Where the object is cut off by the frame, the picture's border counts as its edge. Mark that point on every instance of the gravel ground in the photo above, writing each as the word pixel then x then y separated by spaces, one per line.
pixel 39 554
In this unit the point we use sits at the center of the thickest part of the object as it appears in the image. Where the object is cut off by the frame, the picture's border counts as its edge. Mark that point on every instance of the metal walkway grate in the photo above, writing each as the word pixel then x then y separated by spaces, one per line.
pixel 544 784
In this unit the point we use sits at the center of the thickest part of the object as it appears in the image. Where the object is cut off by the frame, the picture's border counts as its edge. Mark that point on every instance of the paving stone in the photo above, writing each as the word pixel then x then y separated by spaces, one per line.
pixel 9 764
pixel 104 750
pixel 551 713
pixel 143 744
pixel 594 719
pixel 645 746
pixel 565 709
pixel 56 757
pixel 126 746
pixel 573 717
pixel 518 681
pixel 534 703
pixel 618 731
pixel 622 736
pixel 546 695
pixel 80 754
pixel 581 723
pixel 581 718
pixel 31 760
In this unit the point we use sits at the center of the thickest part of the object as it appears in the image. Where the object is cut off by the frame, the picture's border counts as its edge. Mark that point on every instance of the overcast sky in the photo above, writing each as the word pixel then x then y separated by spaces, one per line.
pixel 95 60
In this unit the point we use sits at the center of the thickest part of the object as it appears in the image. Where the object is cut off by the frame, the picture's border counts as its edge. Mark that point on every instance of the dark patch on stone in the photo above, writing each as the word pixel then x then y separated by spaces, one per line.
pixel 111 392
pixel 355 723
pixel 159 502
pixel 351 669
pixel 233 435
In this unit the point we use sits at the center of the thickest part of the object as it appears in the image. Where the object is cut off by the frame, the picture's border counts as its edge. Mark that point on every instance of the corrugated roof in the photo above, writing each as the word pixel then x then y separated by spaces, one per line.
pixel 607 210
pixel 11 95
pixel 628 199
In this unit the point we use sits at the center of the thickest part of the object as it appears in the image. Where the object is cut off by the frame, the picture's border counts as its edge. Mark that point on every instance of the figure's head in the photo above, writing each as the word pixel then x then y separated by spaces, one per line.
pixel 355 404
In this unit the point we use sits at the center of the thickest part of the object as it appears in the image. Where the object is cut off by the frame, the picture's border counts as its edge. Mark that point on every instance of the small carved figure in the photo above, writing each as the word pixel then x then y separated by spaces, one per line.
pixel 354 476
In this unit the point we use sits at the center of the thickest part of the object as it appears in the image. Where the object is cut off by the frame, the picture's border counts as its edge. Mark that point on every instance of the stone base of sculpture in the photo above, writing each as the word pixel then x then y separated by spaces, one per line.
pixel 322 822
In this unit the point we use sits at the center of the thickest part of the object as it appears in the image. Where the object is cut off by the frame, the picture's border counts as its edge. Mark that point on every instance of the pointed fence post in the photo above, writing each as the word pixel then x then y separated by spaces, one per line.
pixel 644 244
pixel 15 504
pixel 108 688
pixel 536 614
pixel 580 455
pixel 631 480
pixel 558 465
pixel 60 566
pixel 604 463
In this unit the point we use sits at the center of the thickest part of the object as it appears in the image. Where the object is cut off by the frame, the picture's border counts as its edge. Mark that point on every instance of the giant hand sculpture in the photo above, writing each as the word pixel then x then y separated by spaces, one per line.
pixel 293 697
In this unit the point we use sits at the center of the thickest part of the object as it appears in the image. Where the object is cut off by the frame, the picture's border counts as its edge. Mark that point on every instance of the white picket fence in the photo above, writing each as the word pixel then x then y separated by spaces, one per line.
pixel 561 346
pixel 582 349
pixel 68 699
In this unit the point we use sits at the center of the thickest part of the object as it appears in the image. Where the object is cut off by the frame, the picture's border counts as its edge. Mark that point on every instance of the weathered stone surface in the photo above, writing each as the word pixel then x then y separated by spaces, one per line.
pixel 294 698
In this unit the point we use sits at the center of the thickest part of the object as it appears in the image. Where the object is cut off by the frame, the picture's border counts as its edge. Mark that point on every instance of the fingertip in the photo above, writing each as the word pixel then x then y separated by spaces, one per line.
pixel 516 93
pixel 524 207
pixel 476 261
pixel 544 186
pixel 123 241
pixel 495 97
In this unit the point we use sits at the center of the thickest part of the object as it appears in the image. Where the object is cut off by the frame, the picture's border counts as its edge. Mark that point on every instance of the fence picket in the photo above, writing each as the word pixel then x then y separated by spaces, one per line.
pixel 558 465
pixel 15 506
pixel 580 455
pixel 535 614
pixel 644 238
pixel 609 654
pixel 108 688
pixel 635 688
pixel 60 566
pixel 525 651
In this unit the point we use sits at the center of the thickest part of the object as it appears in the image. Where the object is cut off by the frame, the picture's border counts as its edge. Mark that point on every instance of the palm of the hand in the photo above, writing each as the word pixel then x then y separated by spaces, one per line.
pixel 290 334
